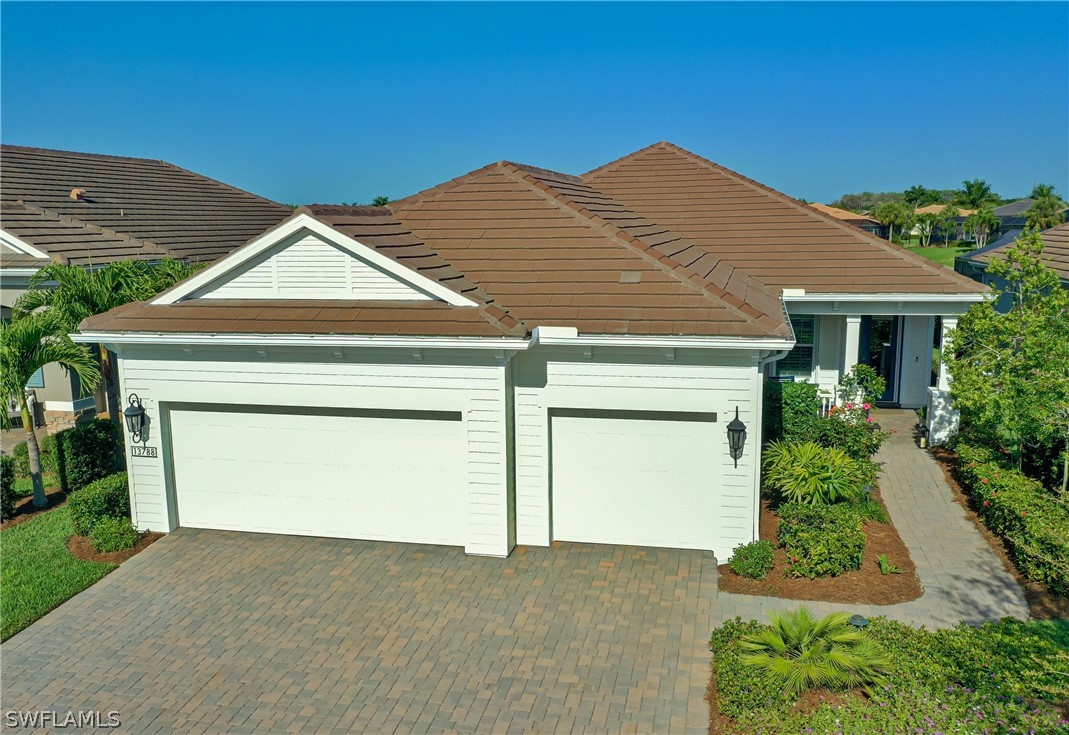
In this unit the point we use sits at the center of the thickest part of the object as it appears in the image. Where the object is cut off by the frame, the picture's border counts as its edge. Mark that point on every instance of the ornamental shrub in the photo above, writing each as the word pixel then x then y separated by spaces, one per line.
pixel 7 482
pixel 857 438
pixel 1034 521
pixel 106 498
pixel 809 473
pixel 753 560
pixel 20 453
pixel 791 410
pixel 113 534
pixel 87 453
pixel 821 540
pixel 798 652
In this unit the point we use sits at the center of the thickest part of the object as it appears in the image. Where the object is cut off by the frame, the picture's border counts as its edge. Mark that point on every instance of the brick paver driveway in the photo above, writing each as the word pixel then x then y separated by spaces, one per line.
pixel 212 631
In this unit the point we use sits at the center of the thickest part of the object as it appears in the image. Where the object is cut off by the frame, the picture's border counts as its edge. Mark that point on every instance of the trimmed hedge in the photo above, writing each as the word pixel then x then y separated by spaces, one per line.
pixel 857 439
pixel 87 453
pixel 821 540
pixel 106 498
pixel 113 534
pixel 7 491
pixel 1034 521
pixel 753 560
pixel 20 455
pixel 791 411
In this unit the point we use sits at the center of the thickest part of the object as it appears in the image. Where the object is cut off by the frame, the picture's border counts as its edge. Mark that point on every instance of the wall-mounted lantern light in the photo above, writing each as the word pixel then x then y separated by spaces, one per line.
pixel 135 417
pixel 736 437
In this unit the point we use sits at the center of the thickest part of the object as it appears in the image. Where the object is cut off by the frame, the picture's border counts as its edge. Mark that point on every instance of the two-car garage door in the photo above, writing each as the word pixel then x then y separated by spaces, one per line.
pixel 641 478
pixel 392 476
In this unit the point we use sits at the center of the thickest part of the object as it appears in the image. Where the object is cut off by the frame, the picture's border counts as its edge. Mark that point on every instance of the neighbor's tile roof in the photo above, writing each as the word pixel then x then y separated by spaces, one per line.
pixel 937 208
pixel 844 214
pixel 777 240
pixel 131 208
pixel 1055 250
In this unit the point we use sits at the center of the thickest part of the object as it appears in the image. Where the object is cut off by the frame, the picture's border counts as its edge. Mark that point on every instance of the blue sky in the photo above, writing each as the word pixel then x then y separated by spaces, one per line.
pixel 342 102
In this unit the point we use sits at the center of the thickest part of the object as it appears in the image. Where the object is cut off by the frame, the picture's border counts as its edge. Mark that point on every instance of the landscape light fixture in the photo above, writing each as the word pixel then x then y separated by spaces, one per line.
pixel 135 417
pixel 736 437
pixel 858 621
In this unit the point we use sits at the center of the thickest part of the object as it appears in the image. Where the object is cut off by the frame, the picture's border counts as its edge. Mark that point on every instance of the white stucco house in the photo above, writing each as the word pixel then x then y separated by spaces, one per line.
pixel 516 356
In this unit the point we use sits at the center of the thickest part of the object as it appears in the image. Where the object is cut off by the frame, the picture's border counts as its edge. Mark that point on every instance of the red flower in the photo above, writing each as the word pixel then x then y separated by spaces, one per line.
pixel 987 503
pixel 794 560
pixel 984 481
pixel 1022 514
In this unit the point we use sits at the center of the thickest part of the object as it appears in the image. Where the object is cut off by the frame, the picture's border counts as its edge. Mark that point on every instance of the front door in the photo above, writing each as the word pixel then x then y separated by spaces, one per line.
pixel 879 349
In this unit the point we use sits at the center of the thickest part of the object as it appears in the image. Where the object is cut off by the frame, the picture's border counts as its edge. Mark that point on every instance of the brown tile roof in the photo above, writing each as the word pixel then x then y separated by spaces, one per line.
pixel 253 316
pixel 777 240
pixel 1055 250
pixel 844 214
pixel 555 252
pixel 131 208
pixel 937 208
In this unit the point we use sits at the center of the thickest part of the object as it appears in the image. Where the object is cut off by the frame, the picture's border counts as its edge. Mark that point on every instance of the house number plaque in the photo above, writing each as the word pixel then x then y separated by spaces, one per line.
pixel 142 451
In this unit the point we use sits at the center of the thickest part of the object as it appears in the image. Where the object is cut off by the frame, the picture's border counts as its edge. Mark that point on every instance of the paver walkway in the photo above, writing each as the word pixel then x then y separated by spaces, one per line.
pixel 962 578
pixel 220 632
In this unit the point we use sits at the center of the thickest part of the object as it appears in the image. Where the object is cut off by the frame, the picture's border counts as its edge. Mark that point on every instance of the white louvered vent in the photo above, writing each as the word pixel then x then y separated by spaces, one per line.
pixel 311 268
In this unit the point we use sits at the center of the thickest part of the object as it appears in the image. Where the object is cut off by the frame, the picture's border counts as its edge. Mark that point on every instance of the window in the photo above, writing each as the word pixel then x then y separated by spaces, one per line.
pixel 799 361
pixel 37 380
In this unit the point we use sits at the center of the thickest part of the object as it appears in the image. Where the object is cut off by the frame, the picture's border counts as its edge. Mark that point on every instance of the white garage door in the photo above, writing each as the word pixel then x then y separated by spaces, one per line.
pixel 390 476
pixel 646 479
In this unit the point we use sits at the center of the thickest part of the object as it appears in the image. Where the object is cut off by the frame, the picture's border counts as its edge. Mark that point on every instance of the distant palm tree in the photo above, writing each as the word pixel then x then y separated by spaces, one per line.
pixel 1041 191
pixel 981 224
pixel 975 194
pixel 71 293
pixel 1045 212
pixel 27 344
pixel 380 201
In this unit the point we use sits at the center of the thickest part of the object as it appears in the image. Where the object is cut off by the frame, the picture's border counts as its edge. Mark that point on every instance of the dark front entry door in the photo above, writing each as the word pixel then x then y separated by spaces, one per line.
pixel 879 348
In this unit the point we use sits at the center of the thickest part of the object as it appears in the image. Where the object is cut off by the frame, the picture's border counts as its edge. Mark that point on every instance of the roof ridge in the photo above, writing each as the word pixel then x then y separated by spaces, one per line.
pixel 695 281
pixel 945 273
pixel 92 227
pixel 419 196
pixel 617 161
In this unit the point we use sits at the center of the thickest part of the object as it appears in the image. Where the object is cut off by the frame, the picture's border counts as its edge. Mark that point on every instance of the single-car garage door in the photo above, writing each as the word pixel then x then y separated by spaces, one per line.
pixel 379 475
pixel 640 478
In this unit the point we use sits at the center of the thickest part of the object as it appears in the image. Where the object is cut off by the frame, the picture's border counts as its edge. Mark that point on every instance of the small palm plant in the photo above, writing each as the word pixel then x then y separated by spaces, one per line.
pixel 799 652
pixel 811 474
pixel 27 344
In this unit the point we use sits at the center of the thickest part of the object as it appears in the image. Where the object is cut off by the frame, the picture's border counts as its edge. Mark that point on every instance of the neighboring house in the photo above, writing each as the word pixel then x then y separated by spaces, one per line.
pixel 861 221
pixel 516 356
pixel 1055 255
pixel 87 209
pixel 959 220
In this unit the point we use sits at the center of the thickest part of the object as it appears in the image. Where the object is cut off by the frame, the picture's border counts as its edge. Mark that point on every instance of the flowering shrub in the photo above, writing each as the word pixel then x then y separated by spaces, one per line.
pixel 753 560
pixel 850 430
pixel 1034 521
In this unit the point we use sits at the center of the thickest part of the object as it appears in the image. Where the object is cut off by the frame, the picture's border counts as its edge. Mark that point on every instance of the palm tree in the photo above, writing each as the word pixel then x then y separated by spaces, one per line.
pixel 948 222
pixel 1048 209
pixel 1041 191
pixel 893 214
pixel 27 344
pixel 975 194
pixel 981 224
pixel 918 196
pixel 72 293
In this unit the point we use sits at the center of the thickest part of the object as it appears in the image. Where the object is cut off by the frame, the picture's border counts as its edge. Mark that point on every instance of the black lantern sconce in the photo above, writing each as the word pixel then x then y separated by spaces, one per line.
pixel 736 437
pixel 135 417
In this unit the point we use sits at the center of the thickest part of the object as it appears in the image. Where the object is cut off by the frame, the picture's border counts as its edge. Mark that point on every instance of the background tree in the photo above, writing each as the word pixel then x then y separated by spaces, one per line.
pixel 894 214
pixel 71 293
pixel 1010 371
pixel 919 196
pixel 948 223
pixel 926 226
pixel 975 194
pixel 981 224
pixel 1048 209
pixel 380 201
pixel 27 344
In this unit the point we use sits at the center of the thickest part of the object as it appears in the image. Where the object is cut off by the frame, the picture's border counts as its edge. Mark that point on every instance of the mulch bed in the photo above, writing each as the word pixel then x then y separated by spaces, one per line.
pixel 82 548
pixel 25 510
pixel 1043 604
pixel 864 586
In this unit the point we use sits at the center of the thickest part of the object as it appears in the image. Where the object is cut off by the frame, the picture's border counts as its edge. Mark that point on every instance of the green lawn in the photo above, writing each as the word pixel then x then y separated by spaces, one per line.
pixel 37 573
pixel 942 256
pixel 23 486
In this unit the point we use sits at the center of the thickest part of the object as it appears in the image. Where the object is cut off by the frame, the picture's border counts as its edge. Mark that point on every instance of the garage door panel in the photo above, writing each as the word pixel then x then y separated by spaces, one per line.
pixel 369 476
pixel 623 478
